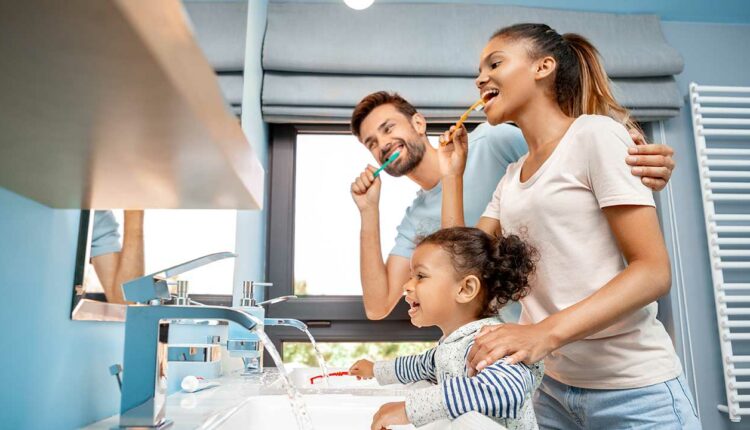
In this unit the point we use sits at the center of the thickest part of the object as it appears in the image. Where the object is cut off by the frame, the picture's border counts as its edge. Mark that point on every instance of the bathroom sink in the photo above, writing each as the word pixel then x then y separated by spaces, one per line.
pixel 333 412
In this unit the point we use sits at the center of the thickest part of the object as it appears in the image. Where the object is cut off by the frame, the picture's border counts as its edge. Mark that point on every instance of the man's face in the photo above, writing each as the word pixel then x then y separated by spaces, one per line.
pixel 386 130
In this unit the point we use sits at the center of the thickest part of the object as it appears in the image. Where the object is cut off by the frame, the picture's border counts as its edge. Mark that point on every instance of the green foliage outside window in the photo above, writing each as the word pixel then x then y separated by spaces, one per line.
pixel 344 354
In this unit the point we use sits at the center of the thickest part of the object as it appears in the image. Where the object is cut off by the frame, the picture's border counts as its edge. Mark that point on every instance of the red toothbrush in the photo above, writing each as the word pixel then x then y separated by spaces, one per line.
pixel 330 374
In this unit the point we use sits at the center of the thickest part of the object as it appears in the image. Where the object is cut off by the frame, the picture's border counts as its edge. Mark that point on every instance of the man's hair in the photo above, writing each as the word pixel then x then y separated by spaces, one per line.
pixel 371 101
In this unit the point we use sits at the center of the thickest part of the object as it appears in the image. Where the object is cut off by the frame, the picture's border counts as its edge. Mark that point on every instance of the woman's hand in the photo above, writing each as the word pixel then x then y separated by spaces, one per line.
pixel 362 369
pixel 452 152
pixel 389 414
pixel 514 342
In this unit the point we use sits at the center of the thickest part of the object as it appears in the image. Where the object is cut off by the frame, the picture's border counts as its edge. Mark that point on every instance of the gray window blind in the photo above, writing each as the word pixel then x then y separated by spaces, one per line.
pixel 320 59
pixel 220 28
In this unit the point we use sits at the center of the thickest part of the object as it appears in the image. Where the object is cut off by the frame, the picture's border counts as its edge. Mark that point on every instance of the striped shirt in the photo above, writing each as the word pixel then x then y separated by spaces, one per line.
pixel 500 391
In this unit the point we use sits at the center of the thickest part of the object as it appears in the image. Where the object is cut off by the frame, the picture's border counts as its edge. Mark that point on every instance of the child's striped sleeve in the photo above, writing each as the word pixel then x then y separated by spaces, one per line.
pixel 499 390
pixel 411 368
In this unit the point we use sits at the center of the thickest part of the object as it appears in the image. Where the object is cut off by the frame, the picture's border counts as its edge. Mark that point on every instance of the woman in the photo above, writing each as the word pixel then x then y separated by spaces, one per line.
pixel 591 317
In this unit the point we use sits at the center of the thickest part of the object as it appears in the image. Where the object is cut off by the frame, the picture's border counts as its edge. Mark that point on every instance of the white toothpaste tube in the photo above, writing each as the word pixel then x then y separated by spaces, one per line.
pixel 192 384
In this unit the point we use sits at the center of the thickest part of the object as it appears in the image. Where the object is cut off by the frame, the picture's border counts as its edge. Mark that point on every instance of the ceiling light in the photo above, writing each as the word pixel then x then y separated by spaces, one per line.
pixel 358 4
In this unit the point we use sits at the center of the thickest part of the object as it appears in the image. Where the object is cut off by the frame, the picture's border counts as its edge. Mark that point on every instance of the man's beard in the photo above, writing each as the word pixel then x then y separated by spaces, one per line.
pixel 414 153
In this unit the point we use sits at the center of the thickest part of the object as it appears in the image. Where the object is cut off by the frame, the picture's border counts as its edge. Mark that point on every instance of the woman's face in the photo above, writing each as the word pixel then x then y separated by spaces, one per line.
pixel 506 80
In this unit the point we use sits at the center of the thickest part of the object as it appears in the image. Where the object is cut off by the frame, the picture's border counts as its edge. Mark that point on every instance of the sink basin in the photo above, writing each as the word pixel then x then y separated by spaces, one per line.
pixel 334 412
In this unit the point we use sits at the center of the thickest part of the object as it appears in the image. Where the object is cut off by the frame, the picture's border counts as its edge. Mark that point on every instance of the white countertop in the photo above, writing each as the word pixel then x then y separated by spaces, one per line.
pixel 192 410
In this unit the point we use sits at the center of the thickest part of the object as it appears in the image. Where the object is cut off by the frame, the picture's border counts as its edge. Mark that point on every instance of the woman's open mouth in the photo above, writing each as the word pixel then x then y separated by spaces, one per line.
pixel 489 95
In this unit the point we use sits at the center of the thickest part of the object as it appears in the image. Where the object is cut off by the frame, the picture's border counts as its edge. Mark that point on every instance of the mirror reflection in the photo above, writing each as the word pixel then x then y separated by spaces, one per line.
pixel 120 245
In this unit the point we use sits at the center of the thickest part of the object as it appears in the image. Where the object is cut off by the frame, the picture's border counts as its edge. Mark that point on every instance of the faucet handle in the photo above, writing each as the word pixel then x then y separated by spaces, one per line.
pixel 248 292
pixel 276 300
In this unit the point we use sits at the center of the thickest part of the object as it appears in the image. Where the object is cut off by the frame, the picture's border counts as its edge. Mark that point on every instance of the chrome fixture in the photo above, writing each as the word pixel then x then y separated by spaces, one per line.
pixel 144 382
pixel 154 286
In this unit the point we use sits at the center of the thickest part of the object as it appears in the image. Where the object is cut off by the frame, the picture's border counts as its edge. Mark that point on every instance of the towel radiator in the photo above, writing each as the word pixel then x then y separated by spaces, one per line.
pixel 721 127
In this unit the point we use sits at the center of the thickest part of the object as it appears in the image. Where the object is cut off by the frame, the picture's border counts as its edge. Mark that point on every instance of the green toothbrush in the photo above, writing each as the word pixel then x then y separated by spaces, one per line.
pixel 387 162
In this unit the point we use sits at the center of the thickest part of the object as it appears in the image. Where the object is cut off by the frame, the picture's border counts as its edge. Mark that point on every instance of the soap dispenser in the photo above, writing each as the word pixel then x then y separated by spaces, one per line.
pixel 242 343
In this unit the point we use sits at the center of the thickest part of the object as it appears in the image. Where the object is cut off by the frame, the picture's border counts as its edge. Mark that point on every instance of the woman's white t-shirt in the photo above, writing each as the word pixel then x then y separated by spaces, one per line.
pixel 558 211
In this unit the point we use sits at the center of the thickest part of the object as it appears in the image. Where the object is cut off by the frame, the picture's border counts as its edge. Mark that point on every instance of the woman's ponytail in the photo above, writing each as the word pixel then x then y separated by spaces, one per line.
pixel 594 95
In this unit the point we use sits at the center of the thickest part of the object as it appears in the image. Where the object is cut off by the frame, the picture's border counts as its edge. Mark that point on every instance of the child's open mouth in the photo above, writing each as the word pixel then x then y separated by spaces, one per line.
pixel 413 307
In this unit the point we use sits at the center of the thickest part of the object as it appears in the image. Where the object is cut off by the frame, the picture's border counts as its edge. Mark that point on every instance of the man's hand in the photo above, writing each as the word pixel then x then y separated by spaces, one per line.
pixel 514 342
pixel 452 152
pixel 653 163
pixel 366 189
pixel 362 369
pixel 389 414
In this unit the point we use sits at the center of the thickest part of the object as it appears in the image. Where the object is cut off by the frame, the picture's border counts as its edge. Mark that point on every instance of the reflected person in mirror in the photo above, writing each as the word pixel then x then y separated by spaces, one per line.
pixel 113 262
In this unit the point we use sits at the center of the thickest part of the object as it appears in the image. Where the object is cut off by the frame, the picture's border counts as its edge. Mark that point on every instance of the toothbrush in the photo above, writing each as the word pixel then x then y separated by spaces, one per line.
pixel 387 162
pixel 330 374
pixel 479 105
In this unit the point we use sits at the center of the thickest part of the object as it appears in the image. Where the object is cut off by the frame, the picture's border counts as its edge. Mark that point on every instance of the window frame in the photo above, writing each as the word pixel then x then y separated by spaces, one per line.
pixel 334 318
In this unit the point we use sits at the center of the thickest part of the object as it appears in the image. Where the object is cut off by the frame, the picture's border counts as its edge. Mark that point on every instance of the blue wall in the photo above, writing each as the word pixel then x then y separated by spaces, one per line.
pixel 251 225
pixel 55 369
pixel 714 55
pixel 725 11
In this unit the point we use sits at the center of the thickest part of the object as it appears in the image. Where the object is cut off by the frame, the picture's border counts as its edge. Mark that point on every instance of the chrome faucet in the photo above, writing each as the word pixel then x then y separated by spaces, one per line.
pixel 249 347
pixel 154 286
pixel 299 325
pixel 144 383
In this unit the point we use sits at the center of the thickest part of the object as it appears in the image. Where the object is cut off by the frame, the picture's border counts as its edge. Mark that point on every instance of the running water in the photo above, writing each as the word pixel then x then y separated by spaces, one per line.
pixel 321 360
pixel 298 405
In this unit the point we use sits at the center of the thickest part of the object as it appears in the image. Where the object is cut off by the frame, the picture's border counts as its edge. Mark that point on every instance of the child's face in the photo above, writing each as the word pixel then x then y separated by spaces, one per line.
pixel 431 291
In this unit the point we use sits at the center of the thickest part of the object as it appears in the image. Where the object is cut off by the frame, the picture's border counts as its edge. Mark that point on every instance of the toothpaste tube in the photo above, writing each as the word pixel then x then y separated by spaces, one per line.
pixel 192 384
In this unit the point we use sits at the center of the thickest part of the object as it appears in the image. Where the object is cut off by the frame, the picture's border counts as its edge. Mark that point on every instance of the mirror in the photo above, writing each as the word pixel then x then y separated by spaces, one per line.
pixel 115 246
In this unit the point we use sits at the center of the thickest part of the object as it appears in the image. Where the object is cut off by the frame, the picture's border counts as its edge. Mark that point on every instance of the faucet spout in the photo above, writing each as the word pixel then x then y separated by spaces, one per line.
pixel 144 384
pixel 299 325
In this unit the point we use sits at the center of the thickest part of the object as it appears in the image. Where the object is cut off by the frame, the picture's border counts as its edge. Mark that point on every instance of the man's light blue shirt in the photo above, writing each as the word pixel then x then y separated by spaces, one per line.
pixel 491 150
pixel 105 237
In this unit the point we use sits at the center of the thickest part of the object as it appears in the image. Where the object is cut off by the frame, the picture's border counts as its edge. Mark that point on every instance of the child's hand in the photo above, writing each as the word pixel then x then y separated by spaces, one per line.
pixel 452 152
pixel 362 369
pixel 389 414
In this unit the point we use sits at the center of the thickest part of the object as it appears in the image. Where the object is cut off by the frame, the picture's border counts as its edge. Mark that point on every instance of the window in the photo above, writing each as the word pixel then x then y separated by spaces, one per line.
pixel 313 238
pixel 326 223
pixel 344 354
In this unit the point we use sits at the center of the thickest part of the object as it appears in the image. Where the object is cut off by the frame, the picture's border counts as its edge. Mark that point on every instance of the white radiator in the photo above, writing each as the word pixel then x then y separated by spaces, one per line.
pixel 721 126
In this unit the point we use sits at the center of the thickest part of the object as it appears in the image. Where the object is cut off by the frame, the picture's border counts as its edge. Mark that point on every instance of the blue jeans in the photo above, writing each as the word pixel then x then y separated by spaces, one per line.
pixel 668 405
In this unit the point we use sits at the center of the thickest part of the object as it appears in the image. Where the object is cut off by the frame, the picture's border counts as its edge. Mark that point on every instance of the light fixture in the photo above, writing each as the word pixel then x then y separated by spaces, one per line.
pixel 359 4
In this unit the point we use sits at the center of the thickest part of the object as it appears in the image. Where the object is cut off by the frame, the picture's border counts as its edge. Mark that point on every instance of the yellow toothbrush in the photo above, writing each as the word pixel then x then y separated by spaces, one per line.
pixel 479 105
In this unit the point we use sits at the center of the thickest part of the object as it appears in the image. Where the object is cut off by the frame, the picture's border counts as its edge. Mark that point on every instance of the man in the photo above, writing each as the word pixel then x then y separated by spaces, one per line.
pixel 385 123
pixel 113 263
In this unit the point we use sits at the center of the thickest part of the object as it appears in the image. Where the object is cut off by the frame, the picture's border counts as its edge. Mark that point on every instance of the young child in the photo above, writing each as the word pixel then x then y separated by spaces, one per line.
pixel 460 278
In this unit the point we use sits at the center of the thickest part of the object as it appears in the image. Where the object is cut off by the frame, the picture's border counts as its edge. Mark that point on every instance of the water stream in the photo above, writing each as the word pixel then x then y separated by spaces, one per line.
pixel 298 404
pixel 321 360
